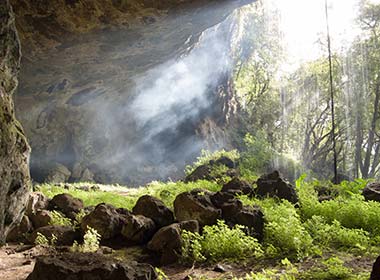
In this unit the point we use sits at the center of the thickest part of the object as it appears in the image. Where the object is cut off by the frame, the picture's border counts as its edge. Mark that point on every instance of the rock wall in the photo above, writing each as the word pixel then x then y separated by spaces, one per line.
pixel 87 64
pixel 14 149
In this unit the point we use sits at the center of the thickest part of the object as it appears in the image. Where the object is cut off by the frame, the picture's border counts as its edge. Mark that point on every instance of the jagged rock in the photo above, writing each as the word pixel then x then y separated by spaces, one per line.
pixel 67 204
pixel 375 273
pixel 105 219
pixel 37 201
pixel 18 233
pixel 58 174
pixel 196 205
pixel 41 218
pixel 90 266
pixel 81 174
pixel 205 171
pixel 273 185
pixel 14 149
pixel 372 192
pixel 155 209
pixel 237 186
pixel 138 229
pixel 234 213
pixel 65 235
pixel 168 242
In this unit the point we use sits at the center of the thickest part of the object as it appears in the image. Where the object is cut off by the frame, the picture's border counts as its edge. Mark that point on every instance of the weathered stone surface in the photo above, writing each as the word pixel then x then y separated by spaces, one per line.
pixel 90 266
pixel 37 201
pixel 58 173
pixel 14 149
pixel 82 71
pixel 18 233
pixel 273 185
pixel 67 204
pixel 41 218
pixel 65 235
pixel 372 192
pixel 105 219
pixel 375 273
pixel 138 229
pixel 168 242
pixel 155 209
pixel 237 186
pixel 196 205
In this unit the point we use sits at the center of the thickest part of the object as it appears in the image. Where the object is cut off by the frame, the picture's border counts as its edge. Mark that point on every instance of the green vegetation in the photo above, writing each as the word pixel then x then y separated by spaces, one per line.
pixel 59 219
pixel 91 241
pixel 219 242
pixel 42 240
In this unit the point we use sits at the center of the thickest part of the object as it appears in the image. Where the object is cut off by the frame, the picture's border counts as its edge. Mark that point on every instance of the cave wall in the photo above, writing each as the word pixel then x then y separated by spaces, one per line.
pixel 14 149
pixel 85 63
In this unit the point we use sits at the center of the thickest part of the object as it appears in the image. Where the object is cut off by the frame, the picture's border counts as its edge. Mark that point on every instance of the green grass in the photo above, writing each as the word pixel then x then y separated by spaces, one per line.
pixel 123 197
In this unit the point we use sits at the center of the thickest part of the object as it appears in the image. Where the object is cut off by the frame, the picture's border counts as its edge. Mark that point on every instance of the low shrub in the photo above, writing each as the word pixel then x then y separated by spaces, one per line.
pixel 58 219
pixel 219 242
pixel 91 241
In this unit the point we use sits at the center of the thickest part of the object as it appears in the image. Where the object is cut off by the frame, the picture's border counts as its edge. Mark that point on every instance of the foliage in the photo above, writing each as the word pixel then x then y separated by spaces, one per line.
pixel 57 218
pixel 91 241
pixel 284 233
pixel 219 242
pixel 44 241
pixel 335 235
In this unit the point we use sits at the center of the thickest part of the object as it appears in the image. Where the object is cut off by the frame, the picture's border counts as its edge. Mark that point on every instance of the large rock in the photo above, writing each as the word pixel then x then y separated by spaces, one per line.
pixel 138 229
pixel 19 232
pixel 375 273
pixel 65 236
pixel 105 219
pixel 168 242
pixel 237 186
pixel 234 213
pixel 273 185
pixel 155 209
pixel 67 204
pixel 58 173
pixel 372 192
pixel 37 201
pixel 41 218
pixel 14 149
pixel 196 205
pixel 89 266
pixel 207 171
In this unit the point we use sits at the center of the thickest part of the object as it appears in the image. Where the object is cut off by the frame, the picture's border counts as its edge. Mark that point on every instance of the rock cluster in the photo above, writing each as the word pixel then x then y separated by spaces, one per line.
pixel 151 223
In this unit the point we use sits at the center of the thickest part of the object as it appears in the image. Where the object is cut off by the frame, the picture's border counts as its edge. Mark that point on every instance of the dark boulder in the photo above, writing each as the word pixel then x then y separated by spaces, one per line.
pixel 104 219
pixel 155 209
pixel 89 266
pixel 41 218
pixel 196 205
pixel 19 232
pixel 67 204
pixel 372 192
pixel 375 274
pixel 273 185
pixel 138 229
pixel 237 186
pixel 168 242
pixel 65 236
pixel 234 213
pixel 206 171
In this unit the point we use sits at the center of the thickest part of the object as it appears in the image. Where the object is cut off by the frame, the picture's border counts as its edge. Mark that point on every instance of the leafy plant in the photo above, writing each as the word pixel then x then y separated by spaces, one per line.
pixel 59 219
pixel 91 241
pixel 219 242
pixel 44 241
